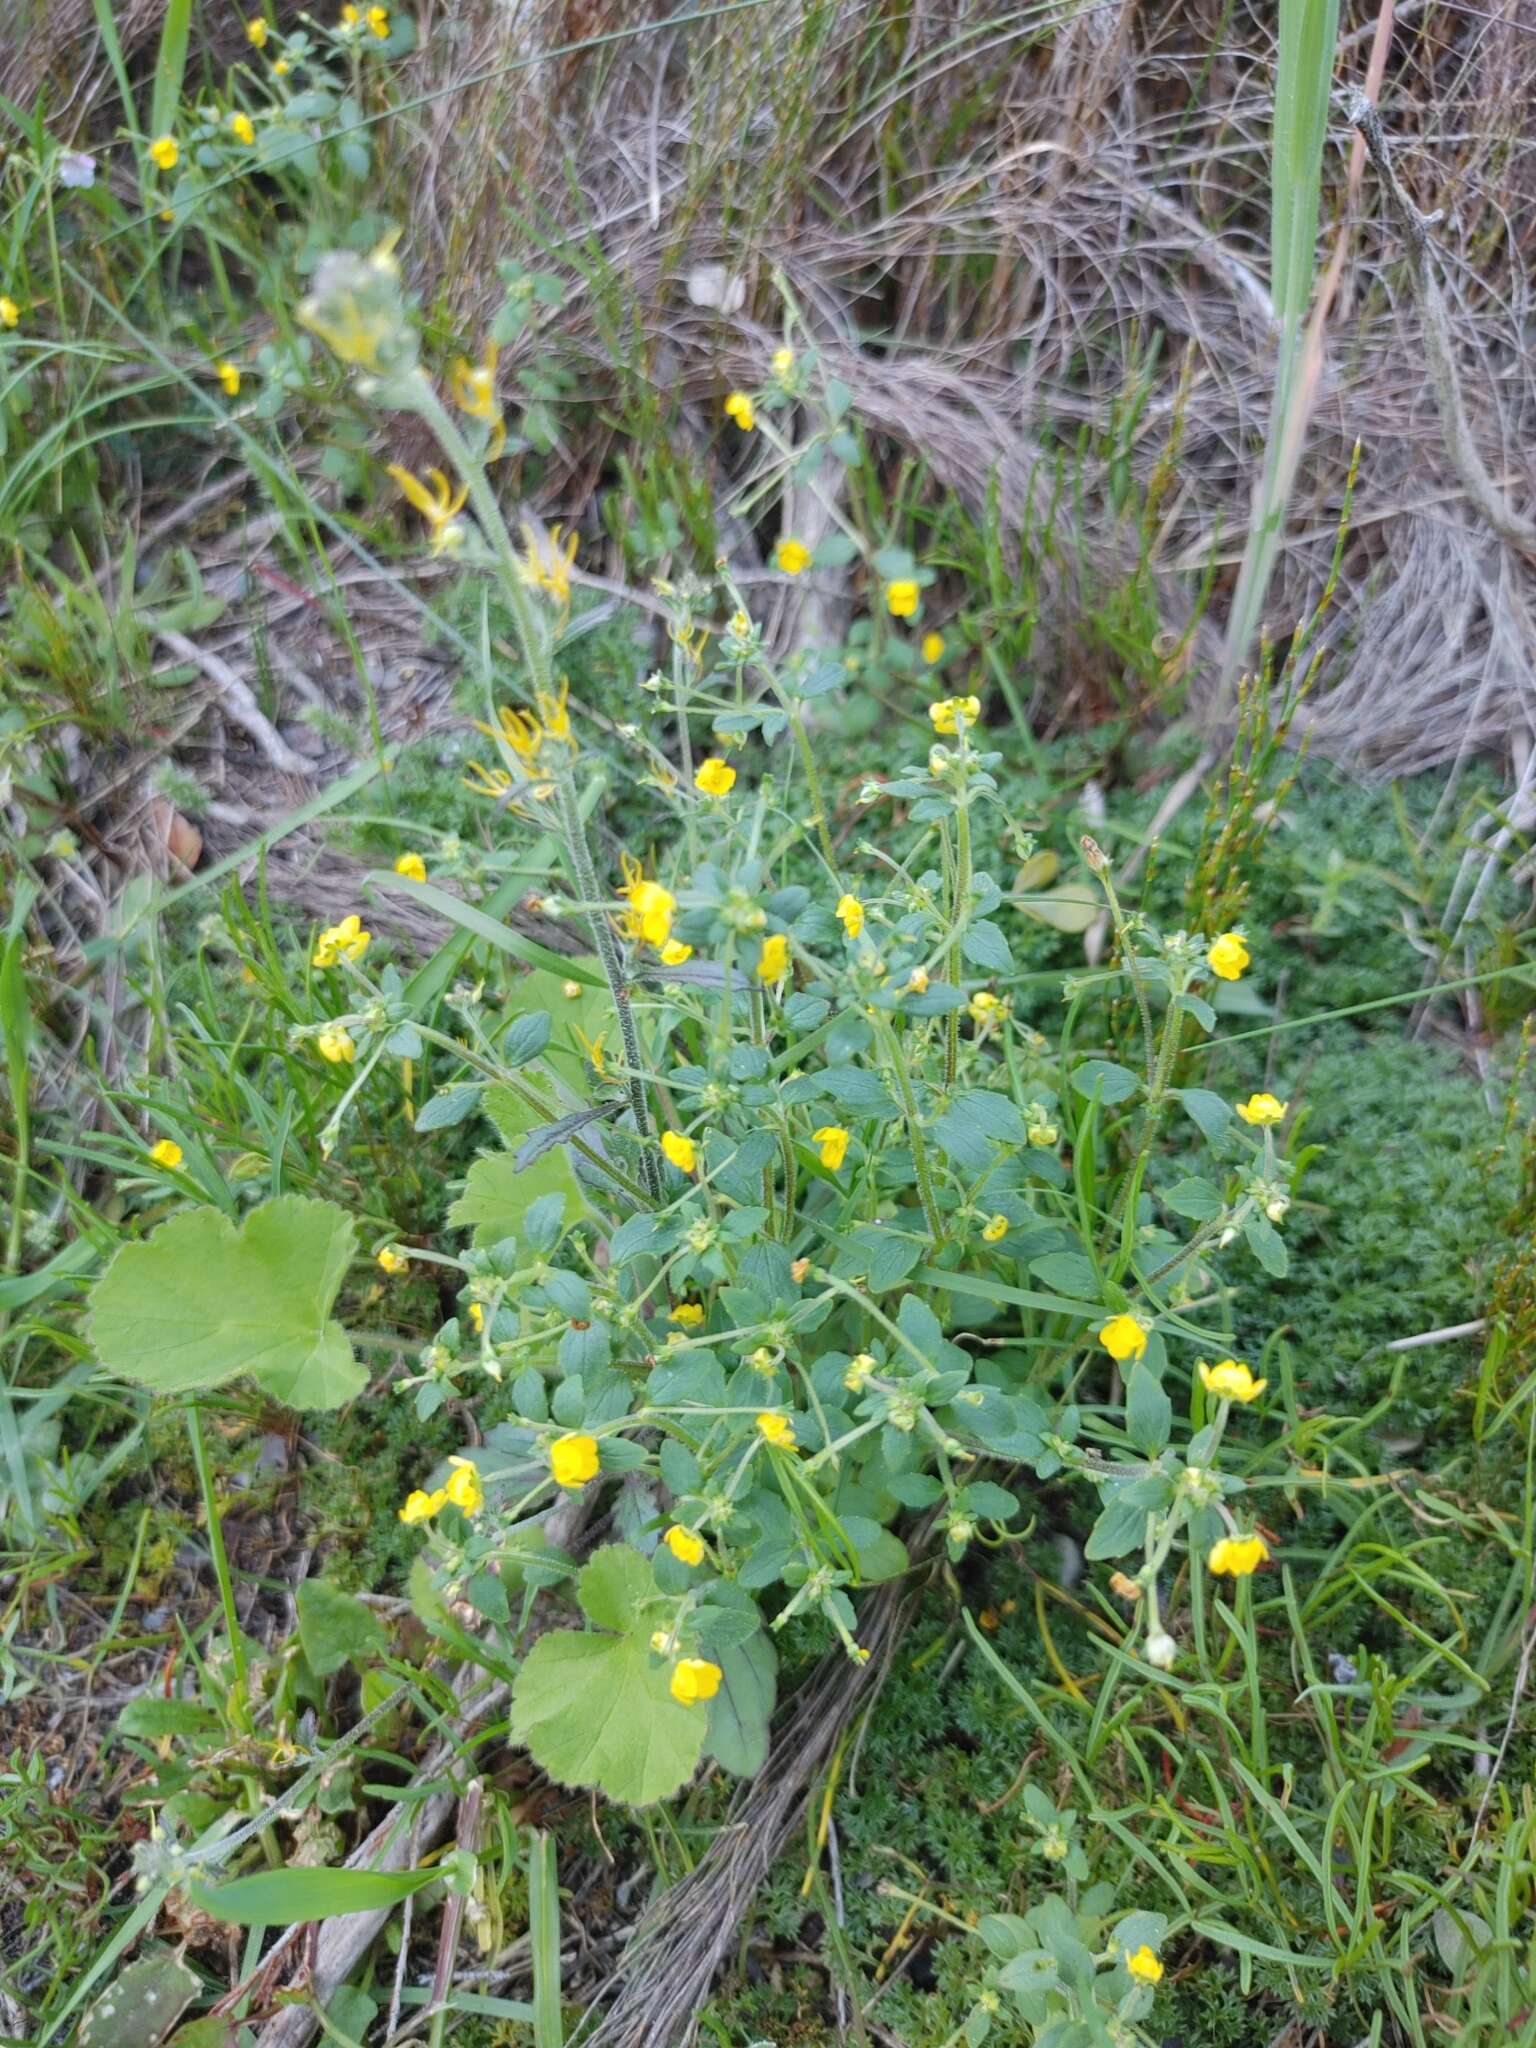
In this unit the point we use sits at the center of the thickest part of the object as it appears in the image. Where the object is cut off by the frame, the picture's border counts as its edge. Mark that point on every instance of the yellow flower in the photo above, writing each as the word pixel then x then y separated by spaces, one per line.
pixel 166 1152
pixel 378 21
pixel 715 777
pixel 349 16
pixel 1262 1110
pixel 689 1313
pixel 917 980
pixel 392 1260
pixel 859 1370
pixel 773 961
pixel 1124 1337
pixel 1228 956
pixel 229 376
pixel 1231 1381
pixel 851 911
pixel 694 1680
pixel 573 1460
pixel 437 502
pixel 412 866
pixel 933 648
pixel 777 1430
pixel 948 712
pixel 649 916
pixel 10 312
pixel 421 1507
pixel 335 1044
pixel 738 407
pixel 995 1229
pixel 546 561
pixel 984 1007
pixel 682 1152
pixel 242 130
pixel 1236 1557
pixel 344 941
pixel 256 32
pixel 1143 1965
pixel 165 151
pixel 593 1048
pixel 792 556
pixel 684 1545
pixel 902 598
pixel 783 361
pixel 477 1318
pixel 1043 1133
pixel 661 1642
pixel 464 1488
pixel 526 733
pixel 674 953
pixel 833 1141
pixel 473 385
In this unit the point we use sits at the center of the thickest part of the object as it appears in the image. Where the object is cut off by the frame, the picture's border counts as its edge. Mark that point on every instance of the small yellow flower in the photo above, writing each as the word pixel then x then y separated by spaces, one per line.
pixel 378 22
pixel 473 385
pixel 851 913
pixel 10 312
pixel 1262 1110
pixel 593 1048
pixel 344 941
pixel 1228 956
pixel 281 68
pixel 739 407
pixel 1043 1133
pixel 1231 1381
pixel 948 712
pixel 682 1152
pixel 649 916
pixel 902 598
pixel 792 556
pixel 421 1507
pixel 165 151
pixel 412 866
pixel 933 648
pixel 995 1229
pixel 166 1152
pixel 1143 1965
pixel 464 1488
pixel 689 1313
pixel 241 128
pixel 684 1544
pixel 477 1318
pixel 715 777
pixel 661 1642
pixel 1237 1557
pixel 990 1620
pixel 674 953
pixel 859 1370
pixel 833 1141
pixel 777 1430
pixel 437 502
pixel 783 361
pixel 349 16
pixel 984 1007
pixel 392 1260
pixel 256 32
pixel 336 1045
pixel 228 375
pixel 1124 1337
pixel 917 980
pixel 694 1680
pixel 773 961
pixel 547 560
pixel 573 1460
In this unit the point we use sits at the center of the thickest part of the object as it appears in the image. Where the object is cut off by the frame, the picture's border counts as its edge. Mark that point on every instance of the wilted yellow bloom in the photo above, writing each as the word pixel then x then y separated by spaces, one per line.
pixel 777 1430
pixel 464 1488
pixel 229 376
pixel 674 953
pixel 948 712
pixel 240 127
pixel 739 407
pixel 715 777
pixel 995 1228
pixel 682 1152
pixel 783 361
pixel 1231 1381
pixel 851 913
pixel 1143 1965
pixel 256 32
pixel 902 598
pixel 526 733
pixel 335 1044
pixel 917 980
pixel 859 1370
pixel 473 386
pixel 546 560
pixel 649 916
pixel 1124 1337
pixel 1262 1110
pixel 437 502
pixel 477 1318
pixel 684 1544
pixel 1228 956
pixel 833 1142
pixel 349 15
pixel 392 1260
pixel 166 1152
pixel 593 1048
pixel 773 961
pixel 421 1507
pixel 573 1460
pixel 344 941
pixel 1237 1557
pixel 984 1007
pixel 412 866
pixel 10 312
pixel 933 648
pixel 689 1313
pixel 792 556
pixel 694 1680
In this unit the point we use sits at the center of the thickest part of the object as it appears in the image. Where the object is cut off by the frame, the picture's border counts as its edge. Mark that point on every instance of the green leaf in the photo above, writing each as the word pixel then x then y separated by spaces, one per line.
pixel 491 929
pixel 1211 1112
pixel 448 1108
pixel 525 1038
pixel 1193 1197
pixel 149 1718
pixel 200 1302
pixel 597 1709
pixel 497 1195
pixel 143 2004
pixel 1266 1244
pixel 614 1584
pixel 1110 1082
pixel 1148 1412
pixel 336 1628
pixel 1120 1528
pixel 281 1898
pixel 741 1710
pixel 984 946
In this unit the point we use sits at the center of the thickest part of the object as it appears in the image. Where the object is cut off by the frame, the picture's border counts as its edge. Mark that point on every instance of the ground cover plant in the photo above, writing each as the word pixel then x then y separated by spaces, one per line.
pixel 767 1248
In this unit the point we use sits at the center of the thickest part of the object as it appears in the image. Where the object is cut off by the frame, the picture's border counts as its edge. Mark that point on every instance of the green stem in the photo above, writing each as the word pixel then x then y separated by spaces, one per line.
pixel 891 1048
pixel 220 1559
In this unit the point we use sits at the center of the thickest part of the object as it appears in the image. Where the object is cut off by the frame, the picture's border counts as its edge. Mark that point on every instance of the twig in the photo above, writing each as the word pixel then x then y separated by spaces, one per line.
pixel 239 705
pixel 1438 1336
